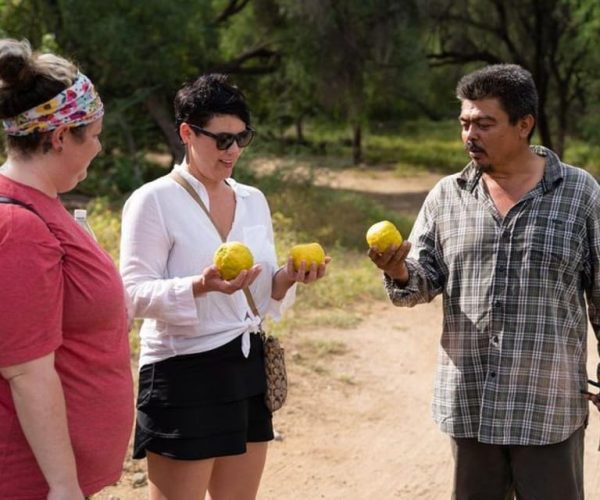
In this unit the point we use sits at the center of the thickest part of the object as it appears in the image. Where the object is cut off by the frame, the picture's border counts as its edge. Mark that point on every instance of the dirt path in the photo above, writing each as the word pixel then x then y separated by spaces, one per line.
pixel 357 424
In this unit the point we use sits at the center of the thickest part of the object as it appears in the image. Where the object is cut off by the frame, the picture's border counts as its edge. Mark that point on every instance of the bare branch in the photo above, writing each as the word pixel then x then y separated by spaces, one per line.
pixel 449 57
pixel 270 58
pixel 233 7
pixel 501 31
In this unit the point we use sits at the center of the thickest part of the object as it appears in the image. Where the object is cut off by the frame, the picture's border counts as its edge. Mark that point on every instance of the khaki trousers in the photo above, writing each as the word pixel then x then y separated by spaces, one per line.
pixel 495 472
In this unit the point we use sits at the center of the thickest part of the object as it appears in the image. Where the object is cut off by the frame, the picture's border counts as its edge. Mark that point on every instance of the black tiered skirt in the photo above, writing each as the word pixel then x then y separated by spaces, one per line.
pixel 203 405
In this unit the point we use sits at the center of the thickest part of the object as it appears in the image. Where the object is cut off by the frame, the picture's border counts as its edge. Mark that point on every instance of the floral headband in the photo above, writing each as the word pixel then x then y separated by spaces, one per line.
pixel 77 105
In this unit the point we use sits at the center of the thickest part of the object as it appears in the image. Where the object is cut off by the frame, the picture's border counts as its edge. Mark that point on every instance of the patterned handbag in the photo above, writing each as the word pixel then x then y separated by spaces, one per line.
pixel 273 351
pixel 275 371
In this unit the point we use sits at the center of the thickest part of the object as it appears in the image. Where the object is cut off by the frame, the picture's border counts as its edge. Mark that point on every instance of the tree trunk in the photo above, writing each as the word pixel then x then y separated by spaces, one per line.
pixel 544 128
pixel 357 144
pixel 562 126
pixel 131 149
pixel 160 113
pixel 300 130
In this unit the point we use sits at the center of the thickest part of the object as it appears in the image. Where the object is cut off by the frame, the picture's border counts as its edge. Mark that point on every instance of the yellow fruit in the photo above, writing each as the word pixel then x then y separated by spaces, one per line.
pixel 383 235
pixel 232 258
pixel 310 252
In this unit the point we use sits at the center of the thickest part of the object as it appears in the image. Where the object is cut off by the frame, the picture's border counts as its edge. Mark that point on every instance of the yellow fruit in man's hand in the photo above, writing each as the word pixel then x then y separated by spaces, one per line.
pixel 383 235
pixel 309 253
pixel 232 258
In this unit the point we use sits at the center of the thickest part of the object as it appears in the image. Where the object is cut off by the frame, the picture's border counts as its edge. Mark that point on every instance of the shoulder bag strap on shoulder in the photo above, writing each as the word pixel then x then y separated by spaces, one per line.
pixel 179 179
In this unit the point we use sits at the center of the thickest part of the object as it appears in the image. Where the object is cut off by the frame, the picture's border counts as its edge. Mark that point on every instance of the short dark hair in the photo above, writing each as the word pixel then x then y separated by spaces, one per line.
pixel 511 84
pixel 209 95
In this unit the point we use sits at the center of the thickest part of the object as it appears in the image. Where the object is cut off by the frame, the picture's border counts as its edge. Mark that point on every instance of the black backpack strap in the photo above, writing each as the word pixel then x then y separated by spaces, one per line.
pixel 12 201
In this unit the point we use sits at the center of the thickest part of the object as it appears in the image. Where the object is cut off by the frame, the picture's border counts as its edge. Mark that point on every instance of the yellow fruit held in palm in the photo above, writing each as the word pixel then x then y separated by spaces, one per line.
pixel 309 252
pixel 232 258
pixel 383 235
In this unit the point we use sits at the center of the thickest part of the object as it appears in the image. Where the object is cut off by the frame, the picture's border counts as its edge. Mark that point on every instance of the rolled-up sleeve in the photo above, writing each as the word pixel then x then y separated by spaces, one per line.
pixel 145 246
pixel 425 265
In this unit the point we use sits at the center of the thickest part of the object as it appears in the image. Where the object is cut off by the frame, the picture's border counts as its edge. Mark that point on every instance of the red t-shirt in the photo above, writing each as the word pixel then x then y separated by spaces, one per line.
pixel 61 292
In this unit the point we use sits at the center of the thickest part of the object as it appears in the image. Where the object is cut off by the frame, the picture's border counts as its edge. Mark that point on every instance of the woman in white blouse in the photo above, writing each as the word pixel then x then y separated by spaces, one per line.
pixel 202 422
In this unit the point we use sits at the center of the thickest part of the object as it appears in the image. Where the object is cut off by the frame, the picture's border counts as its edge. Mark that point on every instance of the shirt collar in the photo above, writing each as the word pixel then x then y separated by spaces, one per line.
pixel 553 172
pixel 240 190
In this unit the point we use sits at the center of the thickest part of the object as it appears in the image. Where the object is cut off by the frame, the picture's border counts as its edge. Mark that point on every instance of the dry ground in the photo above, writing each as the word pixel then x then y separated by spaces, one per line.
pixel 357 423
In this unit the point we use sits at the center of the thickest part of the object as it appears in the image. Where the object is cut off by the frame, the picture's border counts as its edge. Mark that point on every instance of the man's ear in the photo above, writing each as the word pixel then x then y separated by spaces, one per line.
pixel 526 125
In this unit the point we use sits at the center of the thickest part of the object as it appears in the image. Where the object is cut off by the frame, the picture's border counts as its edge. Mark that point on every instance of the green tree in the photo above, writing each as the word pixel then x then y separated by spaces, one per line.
pixel 139 53
pixel 34 20
pixel 348 51
pixel 554 39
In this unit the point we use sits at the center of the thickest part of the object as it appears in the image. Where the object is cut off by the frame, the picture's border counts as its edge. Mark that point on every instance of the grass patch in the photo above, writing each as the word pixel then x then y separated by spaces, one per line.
pixel 418 146
pixel 104 218
pixel 351 279
pixel 323 349
pixel 408 148
pixel 304 212
pixel 347 379
pixel 335 318
pixel 315 354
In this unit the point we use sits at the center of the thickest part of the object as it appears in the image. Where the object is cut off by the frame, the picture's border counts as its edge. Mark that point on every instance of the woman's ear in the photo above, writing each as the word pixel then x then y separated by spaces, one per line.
pixel 185 132
pixel 57 138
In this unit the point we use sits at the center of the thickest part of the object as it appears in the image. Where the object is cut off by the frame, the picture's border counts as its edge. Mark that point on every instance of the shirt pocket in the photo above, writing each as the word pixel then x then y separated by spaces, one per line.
pixel 556 245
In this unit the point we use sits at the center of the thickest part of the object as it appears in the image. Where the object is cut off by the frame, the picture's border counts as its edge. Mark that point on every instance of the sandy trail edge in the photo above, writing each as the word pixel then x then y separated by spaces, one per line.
pixel 357 424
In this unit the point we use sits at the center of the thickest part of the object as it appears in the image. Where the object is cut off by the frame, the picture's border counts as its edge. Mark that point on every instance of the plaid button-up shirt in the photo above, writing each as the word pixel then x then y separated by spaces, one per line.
pixel 512 358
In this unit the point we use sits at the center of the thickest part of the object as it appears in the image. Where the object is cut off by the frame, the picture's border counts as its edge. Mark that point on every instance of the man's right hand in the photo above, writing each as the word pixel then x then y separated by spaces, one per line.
pixel 392 261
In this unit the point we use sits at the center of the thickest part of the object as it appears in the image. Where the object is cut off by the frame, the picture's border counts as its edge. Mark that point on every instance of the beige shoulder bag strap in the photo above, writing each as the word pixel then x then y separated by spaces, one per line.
pixel 179 179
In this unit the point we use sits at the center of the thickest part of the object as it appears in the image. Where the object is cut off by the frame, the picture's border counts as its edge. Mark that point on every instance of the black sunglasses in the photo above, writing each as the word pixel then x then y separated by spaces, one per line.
pixel 225 140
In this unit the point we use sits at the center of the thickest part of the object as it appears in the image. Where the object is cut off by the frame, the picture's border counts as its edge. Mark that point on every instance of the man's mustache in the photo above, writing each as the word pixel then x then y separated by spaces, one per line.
pixel 473 147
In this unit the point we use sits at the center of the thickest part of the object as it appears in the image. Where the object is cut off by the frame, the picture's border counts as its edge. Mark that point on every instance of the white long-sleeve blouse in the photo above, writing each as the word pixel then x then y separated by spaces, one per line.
pixel 166 241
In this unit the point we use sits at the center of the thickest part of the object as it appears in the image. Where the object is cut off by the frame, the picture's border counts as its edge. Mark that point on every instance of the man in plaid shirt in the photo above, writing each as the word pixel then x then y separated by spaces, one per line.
pixel 513 245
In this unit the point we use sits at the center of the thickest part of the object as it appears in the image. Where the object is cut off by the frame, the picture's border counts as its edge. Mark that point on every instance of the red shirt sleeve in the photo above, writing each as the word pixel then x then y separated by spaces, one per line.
pixel 31 287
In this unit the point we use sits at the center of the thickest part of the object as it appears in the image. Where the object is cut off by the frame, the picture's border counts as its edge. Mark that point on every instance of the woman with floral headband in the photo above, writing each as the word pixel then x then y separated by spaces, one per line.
pixel 65 380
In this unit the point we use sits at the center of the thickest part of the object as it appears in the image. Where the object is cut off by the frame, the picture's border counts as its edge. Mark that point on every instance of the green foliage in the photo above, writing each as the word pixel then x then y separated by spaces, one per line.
pixel 331 217
pixel 315 72
pixel 351 279
pixel 585 155
pixel 112 176
pixel 128 45
pixel 408 147
pixel 420 144
pixel 30 19
pixel 556 40
pixel 105 220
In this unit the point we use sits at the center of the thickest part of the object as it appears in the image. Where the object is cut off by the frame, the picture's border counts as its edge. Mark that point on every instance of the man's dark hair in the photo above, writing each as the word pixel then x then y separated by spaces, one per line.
pixel 511 84
pixel 209 95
